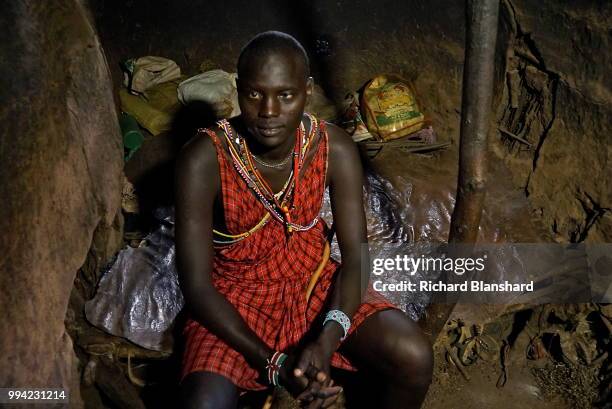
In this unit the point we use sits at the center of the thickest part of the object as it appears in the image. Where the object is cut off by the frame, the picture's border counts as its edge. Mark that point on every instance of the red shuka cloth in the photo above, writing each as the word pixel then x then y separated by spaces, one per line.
pixel 265 276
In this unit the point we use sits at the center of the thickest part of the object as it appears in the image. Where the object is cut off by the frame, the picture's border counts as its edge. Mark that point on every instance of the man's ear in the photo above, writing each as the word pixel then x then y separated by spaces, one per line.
pixel 309 86
pixel 309 89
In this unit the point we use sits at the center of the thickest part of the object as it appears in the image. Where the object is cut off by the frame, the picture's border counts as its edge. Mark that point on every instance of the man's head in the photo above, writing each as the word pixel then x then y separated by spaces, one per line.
pixel 273 87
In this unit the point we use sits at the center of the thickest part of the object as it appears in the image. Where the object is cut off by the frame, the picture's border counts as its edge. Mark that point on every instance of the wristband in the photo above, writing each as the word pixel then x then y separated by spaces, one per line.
pixel 341 318
pixel 273 367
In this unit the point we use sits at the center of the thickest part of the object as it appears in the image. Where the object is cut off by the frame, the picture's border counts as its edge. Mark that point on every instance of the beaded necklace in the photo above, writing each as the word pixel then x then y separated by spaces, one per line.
pixel 278 165
pixel 278 205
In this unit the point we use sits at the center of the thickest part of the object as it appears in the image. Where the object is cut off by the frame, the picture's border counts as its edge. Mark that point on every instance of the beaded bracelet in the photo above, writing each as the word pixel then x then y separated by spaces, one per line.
pixel 341 318
pixel 273 367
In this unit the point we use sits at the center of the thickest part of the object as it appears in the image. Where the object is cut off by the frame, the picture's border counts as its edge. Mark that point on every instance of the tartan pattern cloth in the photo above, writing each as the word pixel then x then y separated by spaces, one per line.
pixel 265 276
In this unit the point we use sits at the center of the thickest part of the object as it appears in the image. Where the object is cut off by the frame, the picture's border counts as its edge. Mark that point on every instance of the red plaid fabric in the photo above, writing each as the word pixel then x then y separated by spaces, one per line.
pixel 265 276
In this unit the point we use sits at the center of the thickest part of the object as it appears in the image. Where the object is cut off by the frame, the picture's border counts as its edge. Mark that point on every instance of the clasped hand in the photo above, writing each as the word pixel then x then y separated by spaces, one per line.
pixel 307 377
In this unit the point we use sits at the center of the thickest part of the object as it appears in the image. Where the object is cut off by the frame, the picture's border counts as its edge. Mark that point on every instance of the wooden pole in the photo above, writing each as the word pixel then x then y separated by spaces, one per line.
pixel 478 71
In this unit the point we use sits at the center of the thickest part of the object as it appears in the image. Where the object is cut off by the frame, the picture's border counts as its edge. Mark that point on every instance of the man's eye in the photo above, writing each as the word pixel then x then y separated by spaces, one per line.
pixel 286 95
pixel 253 94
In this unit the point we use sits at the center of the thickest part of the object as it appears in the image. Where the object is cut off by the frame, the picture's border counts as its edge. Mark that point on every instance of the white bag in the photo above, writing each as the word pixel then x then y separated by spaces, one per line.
pixel 217 88
pixel 144 72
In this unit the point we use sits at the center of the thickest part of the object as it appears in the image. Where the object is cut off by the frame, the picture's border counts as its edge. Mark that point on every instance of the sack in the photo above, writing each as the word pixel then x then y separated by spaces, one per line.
pixel 390 108
pixel 216 88
pixel 138 296
pixel 150 118
pixel 163 97
pixel 144 72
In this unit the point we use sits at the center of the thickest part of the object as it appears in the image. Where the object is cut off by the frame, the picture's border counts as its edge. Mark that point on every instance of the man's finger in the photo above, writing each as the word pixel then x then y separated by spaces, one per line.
pixel 315 404
pixel 302 364
pixel 330 401
pixel 313 373
pixel 309 393
pixel 321 376
pixel 325 393
pixel 302 382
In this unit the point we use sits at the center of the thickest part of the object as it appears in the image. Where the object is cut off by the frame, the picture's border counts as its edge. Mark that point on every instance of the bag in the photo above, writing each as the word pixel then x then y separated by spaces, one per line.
pixel 216 88
pixel 144 72
pixel 149 117
pixel 390 108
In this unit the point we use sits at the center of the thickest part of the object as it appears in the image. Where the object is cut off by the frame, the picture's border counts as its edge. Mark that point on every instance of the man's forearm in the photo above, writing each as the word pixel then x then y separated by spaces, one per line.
pixel 347 297
pixel 213 311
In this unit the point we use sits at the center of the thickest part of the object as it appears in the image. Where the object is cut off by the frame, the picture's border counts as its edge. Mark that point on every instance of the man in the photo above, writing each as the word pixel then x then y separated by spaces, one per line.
pixel 249 240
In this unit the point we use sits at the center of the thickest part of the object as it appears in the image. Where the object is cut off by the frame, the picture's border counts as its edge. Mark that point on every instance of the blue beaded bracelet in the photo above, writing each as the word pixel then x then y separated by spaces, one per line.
pixel 341 318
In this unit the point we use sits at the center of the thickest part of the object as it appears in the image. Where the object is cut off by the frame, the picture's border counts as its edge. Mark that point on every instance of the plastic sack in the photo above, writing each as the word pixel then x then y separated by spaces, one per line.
pixel 216 88
pixel 389 236
pixel 390 108
pixel 139 297
pixel 144 72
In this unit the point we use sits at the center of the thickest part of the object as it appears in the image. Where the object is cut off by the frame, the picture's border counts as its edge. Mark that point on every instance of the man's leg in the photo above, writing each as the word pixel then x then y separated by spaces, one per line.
pixel 206 390
pixel 391 349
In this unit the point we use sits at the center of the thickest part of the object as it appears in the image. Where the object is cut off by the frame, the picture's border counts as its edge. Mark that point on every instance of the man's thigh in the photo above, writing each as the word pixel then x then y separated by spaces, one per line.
pixel 390 343
pixel 204 390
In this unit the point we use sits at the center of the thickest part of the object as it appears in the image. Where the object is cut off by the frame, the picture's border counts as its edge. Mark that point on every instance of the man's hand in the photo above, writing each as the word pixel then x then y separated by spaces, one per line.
pixel 294 384
pixel 313 367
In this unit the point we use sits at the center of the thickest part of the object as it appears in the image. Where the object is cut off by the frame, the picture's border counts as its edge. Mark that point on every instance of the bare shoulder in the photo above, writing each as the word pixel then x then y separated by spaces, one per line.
pixel 344 162
pixel 197 160
pixel 340 143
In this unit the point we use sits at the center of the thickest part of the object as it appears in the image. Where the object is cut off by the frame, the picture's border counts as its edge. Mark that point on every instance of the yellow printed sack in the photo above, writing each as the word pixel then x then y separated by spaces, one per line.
pixel 390 108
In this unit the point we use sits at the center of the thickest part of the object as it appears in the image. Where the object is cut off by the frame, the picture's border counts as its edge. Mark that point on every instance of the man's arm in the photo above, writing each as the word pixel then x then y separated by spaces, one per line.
pixel 345 175
pixel 197 184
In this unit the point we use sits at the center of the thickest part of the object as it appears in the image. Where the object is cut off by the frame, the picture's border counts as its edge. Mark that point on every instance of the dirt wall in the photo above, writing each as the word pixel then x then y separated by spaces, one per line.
pixel 60 180
pixel 552 93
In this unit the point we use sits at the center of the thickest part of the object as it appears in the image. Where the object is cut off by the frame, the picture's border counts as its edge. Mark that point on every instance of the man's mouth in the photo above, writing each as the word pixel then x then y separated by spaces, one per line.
pixel 270 131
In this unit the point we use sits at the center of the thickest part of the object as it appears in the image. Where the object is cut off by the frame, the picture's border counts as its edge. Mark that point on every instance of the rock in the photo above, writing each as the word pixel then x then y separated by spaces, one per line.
pixel 60 182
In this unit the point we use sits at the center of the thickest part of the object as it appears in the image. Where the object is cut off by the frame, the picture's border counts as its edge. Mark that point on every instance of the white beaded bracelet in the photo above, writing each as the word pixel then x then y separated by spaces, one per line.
pixel 341 318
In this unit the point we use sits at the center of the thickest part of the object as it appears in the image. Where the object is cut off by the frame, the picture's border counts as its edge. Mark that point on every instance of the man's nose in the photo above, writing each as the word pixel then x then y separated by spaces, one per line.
pixel 269 107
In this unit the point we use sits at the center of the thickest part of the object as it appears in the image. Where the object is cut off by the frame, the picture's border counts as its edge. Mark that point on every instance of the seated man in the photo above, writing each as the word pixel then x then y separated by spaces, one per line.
pixel 267 306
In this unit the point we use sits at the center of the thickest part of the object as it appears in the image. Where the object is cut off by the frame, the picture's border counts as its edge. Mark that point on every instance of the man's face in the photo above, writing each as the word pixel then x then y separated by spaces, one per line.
pixel 272 93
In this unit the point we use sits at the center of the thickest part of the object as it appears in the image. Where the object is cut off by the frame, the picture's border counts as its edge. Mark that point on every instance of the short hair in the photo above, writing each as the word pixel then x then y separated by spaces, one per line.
pixel 269 42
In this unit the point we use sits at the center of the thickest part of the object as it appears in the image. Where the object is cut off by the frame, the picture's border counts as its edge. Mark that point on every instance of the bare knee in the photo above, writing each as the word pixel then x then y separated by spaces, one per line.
pixel 405 352
pixel 205 390
pixel 412 358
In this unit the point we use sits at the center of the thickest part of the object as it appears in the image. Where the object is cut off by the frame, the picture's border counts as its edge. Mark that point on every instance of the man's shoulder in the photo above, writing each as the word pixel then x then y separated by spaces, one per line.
pixel 199 153
pixel 340 142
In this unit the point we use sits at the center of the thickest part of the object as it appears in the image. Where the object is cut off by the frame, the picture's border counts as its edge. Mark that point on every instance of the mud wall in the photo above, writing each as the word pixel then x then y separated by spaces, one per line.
pixel 552 93
pixel 60 182
pixel 554 117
